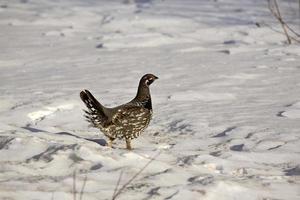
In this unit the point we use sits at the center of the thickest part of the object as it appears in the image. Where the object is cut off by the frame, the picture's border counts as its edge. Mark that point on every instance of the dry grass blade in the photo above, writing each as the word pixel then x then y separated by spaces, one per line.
pixel 82 188
pixel 134 177
pixel 274 9
pixel 280 32
pixel 292 30
pixel 74 185
pixel 117 185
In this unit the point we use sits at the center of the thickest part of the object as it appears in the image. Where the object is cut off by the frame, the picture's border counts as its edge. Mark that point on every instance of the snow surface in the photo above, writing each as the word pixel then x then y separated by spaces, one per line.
pixel 226 106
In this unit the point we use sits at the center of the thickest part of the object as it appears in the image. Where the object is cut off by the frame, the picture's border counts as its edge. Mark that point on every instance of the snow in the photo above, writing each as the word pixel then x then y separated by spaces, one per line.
pixel 48 111
pixel 226 105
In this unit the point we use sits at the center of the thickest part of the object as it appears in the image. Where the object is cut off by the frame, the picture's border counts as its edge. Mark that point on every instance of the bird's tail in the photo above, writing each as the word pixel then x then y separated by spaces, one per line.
pixel 96 112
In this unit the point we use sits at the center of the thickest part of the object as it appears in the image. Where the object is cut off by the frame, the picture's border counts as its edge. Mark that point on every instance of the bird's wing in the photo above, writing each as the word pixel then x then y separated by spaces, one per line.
pixel 131 115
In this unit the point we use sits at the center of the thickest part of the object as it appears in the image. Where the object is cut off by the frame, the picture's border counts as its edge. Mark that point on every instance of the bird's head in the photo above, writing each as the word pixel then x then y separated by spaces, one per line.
pixel 148 79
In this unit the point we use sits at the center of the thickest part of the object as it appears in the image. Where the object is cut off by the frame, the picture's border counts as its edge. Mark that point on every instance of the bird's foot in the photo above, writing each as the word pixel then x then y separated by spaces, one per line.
pixel 128 145
pixel 109 143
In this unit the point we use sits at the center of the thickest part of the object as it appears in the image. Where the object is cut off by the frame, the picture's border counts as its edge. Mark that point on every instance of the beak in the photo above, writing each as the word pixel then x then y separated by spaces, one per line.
pixel 155 77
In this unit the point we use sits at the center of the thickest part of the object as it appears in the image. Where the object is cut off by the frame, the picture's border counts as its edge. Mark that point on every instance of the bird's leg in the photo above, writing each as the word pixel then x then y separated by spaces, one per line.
pixel 128 144
pixel 110 142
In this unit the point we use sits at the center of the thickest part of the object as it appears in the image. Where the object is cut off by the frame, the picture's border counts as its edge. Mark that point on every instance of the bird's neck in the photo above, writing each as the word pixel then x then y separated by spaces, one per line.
pixel 143 96
pixel 143 93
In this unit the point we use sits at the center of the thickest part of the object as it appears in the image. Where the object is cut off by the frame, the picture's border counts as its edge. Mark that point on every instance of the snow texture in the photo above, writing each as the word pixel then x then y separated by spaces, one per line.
pixel 226 105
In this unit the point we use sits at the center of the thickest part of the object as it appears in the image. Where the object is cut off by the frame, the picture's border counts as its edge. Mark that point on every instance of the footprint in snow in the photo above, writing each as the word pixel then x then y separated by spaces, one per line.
pixel 292 112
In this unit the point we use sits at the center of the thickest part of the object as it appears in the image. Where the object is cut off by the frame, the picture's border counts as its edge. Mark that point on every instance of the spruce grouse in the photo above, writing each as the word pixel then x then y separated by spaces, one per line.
pixel 123 122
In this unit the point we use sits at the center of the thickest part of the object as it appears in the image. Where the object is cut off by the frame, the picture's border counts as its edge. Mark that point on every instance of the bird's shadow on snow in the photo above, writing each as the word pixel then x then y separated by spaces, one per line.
pixel 31 129
pixel 101 142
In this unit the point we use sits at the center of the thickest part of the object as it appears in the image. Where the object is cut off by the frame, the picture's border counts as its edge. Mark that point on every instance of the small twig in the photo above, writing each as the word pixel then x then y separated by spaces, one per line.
pixel 74 185
pixel 82 188
pixel 133 177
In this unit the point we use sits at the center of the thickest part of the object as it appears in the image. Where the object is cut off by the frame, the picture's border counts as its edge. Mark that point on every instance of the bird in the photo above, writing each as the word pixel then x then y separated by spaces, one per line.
pixel 126 121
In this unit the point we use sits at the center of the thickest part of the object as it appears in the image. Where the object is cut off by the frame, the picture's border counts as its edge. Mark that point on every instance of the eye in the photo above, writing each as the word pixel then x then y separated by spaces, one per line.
pixel 149 81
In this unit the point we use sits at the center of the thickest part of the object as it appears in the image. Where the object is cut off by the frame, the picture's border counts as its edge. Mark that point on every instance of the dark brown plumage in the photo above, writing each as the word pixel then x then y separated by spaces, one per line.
pixel 127 121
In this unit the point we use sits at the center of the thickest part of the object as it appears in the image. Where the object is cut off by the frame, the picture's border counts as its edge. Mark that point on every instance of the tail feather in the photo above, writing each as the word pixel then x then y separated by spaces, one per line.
pixel 95 113
pixel 94 100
